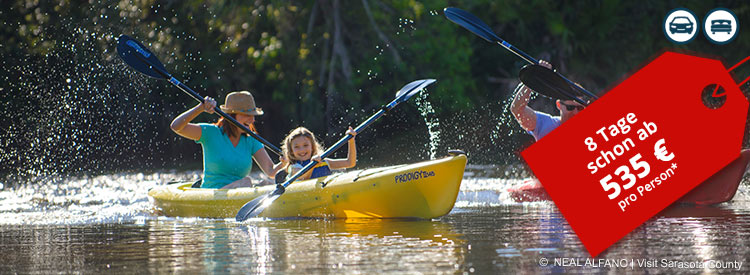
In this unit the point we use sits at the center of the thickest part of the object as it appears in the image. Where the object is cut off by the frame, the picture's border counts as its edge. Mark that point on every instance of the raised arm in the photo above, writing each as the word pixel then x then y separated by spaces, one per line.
pixel 521 110
pixel 181 124
pixel 351 159
pixel 520 106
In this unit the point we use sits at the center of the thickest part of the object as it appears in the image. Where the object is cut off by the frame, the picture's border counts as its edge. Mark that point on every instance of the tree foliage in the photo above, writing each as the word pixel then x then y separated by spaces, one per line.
pixel 323 64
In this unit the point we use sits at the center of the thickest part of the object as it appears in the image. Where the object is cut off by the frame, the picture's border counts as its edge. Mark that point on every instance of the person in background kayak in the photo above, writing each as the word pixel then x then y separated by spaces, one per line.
pixel 536 123
pixel 300 147
pixel 228 152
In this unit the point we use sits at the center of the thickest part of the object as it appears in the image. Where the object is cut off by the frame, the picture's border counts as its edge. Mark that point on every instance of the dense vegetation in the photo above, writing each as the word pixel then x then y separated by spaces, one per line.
pixel 69 104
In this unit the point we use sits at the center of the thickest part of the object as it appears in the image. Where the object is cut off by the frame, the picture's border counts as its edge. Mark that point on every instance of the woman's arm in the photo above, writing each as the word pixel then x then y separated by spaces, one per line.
pixel 266 164
pixel 243 182
pixel 264 161
pixel 181 124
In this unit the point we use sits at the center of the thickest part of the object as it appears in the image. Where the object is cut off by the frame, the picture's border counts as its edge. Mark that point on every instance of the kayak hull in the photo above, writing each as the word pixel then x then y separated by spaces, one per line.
pixel 421 190
pixel 719 188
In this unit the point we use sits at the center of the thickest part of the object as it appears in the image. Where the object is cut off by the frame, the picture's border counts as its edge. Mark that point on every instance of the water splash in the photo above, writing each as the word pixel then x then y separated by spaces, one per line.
pixel 431 120
pixel 404 25
pixel 117 198
pixel 71 107
pixel 505 124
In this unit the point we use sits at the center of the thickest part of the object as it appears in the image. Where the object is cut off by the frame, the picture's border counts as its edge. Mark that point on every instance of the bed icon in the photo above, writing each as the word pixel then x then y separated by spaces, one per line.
pixel 721 25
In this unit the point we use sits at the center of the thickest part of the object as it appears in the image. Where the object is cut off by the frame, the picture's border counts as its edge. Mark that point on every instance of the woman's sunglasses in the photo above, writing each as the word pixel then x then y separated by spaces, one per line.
pixel 572 107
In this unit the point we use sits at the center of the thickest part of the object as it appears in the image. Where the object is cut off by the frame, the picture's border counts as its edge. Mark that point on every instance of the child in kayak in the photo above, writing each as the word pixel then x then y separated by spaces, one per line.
pixel 300 147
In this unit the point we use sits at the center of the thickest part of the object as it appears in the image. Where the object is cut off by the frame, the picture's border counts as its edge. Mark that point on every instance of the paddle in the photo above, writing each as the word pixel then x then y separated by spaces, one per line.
pixel 256 206
pixel 545 81
pixel 476 26
pixel 142 60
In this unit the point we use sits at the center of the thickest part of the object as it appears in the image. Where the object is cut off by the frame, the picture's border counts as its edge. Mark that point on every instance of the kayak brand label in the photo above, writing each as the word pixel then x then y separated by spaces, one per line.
pixel 641 146
pixel 410 176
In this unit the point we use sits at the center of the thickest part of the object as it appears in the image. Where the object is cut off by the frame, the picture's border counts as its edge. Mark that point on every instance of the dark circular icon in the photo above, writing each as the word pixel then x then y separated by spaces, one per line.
pixel 721 26
pixel 680 26
pixel 713 96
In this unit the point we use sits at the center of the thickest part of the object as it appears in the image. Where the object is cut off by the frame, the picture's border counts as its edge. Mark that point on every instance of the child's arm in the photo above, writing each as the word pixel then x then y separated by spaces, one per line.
pixel 351 159
pixel 293 169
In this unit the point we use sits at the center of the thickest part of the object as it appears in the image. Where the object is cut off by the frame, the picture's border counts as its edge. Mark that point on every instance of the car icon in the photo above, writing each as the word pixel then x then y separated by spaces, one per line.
pixel 681 24
pixel 721 25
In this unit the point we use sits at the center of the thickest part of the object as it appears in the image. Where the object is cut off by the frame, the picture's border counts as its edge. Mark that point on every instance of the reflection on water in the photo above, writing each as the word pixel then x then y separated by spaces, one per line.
pixel 347 246
pixel 105 224
pixel 186 245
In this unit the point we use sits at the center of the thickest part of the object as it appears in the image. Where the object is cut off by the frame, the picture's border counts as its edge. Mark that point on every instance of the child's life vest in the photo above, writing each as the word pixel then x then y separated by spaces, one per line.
pixel 320 169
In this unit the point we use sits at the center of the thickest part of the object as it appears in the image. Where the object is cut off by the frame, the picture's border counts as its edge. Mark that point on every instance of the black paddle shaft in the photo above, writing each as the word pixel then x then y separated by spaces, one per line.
pixel 226 116
pixel 133 48
pixel 547 82
pixel 478 27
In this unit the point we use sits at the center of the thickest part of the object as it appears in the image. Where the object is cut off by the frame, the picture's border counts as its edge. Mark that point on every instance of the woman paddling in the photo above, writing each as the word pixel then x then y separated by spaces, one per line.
pixel 227 151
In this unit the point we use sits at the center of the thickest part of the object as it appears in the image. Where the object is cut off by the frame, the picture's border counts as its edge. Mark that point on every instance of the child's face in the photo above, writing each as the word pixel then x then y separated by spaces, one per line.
pixel 301 148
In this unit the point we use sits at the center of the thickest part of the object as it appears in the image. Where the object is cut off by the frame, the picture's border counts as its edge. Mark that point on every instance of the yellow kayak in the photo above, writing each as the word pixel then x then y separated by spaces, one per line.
pixel 425 190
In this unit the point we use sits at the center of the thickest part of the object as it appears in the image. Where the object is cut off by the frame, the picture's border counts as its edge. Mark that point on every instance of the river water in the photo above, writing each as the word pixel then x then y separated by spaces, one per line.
pixel 107 224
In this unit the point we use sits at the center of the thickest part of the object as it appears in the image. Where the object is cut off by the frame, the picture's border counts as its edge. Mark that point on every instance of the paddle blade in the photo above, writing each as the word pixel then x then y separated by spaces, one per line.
pixel 471 23
pixel 412 89
pixel 140 58
pixel 254 207
pixel 548 82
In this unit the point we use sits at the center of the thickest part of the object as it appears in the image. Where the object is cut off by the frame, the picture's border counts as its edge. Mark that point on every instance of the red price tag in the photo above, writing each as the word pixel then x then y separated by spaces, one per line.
pixel 641 147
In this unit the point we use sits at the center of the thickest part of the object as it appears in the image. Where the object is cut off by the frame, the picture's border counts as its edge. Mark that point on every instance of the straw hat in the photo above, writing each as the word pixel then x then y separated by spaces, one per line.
pixel 241 103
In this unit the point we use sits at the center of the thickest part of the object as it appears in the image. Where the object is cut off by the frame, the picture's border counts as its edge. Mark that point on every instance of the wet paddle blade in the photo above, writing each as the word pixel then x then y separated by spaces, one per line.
pixel 412 89
pixel 471 23
pixel 140 58
pixel 548 82
pixel 476 26
pixel 254 207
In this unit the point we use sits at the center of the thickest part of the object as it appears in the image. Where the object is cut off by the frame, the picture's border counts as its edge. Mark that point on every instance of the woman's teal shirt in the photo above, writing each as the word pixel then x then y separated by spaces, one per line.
pixel 223 163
